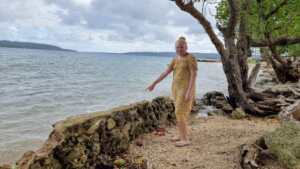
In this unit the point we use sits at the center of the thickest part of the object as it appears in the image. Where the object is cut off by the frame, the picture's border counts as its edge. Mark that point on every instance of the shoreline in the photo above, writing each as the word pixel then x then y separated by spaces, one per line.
pixel 12 156
pixel 260 82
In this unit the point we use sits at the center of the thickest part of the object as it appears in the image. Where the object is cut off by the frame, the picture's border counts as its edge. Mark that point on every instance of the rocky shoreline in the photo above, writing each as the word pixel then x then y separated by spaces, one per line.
pixel 102 139
pixel 94 140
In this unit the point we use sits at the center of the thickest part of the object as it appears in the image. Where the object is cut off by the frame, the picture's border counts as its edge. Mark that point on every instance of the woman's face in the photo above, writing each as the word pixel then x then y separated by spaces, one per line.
pixel 181 48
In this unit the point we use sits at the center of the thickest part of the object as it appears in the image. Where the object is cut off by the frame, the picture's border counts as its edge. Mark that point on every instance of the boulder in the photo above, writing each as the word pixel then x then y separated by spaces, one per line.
pixel 218 100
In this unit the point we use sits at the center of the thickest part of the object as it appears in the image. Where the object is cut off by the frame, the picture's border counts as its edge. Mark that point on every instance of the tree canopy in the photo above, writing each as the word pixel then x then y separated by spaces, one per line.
pixel 273 19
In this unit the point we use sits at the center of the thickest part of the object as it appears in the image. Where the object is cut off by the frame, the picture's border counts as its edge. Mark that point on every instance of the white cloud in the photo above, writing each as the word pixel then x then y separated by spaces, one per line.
pixel 82 2
pixel 101 25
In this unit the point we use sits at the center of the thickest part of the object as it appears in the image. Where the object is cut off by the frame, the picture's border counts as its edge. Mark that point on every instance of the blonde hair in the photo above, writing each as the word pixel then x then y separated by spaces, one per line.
pixel 181 39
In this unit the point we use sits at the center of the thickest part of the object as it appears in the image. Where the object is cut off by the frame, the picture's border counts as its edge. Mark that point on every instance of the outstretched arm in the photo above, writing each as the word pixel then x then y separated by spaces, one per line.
pixel 161 77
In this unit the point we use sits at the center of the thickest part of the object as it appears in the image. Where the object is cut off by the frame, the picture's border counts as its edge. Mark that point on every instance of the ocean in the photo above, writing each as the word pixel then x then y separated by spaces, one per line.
pixel 40 87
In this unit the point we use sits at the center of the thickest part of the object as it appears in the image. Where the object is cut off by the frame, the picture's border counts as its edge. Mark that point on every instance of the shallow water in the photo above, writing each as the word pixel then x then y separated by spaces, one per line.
pixel 39 87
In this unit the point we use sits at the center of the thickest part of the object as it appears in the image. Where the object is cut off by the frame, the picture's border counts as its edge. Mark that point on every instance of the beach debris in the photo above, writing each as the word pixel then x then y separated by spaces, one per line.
pixel 119 162
pixel 139 142
pixel 160 131
pixel 202 115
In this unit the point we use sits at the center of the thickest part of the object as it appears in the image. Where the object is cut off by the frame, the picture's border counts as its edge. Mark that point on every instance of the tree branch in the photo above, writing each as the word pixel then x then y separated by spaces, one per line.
pixel 281 41
pixel 234 11
pixel 189 8
pixel 276 9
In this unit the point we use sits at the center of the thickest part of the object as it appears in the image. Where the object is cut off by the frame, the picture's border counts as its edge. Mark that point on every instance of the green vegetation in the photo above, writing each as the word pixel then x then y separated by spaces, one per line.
pixel 269 19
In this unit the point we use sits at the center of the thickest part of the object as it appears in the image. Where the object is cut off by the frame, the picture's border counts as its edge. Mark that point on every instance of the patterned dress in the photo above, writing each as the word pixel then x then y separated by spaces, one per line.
pixel 182 67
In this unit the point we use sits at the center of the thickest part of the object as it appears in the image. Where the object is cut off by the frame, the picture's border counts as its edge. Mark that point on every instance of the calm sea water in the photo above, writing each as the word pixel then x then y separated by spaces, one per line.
pixel 39 87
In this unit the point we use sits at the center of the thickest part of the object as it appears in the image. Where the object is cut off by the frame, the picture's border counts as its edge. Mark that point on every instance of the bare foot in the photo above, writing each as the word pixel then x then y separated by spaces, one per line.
pixel 175 138
pixel 182 143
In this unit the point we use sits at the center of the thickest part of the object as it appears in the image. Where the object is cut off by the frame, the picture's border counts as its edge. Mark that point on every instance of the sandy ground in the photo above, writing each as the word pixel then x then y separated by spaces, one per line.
pixel 215 143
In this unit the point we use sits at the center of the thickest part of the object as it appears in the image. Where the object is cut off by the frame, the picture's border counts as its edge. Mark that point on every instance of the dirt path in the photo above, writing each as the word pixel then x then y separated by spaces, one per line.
pixel 215 143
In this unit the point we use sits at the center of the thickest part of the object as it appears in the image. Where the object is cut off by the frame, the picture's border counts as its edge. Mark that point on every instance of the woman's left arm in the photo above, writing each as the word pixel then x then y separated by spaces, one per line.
pixel 192 81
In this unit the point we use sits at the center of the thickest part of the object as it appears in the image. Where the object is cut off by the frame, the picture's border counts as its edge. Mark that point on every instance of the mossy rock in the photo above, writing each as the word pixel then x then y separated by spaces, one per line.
pixel 77 156
pixel 111 123
pixel 284 142
pixel 238 113
pixel 120 163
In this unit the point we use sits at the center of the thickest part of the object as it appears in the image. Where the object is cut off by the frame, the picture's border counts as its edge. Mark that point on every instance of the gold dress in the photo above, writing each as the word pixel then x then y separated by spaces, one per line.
pixel 182 67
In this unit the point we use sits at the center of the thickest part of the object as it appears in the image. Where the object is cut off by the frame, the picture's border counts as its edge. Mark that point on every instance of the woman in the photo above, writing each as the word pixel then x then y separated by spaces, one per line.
pixel 185 69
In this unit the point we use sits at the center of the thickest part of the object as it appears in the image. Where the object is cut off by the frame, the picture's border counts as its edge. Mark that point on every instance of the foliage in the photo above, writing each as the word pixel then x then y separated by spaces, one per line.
pixel 262 20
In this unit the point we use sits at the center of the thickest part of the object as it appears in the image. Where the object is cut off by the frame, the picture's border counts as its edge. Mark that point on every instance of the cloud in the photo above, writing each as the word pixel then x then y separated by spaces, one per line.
pixel 93 24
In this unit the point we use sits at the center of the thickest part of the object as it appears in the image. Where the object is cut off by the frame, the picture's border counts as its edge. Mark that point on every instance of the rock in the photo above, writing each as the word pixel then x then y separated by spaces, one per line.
pixel 77 156
pixel 94 140
pixel 217 112
pixel 284 143
pixel 120 118
pixel 296 115
pixel 227 108
pixel 111 123
pixel 119 163
pixel 238 113
pixel 218 100
pixel 139 163
pixel 210 97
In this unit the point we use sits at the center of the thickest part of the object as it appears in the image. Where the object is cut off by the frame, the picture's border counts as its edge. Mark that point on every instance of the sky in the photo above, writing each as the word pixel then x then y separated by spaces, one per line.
pixel 104 25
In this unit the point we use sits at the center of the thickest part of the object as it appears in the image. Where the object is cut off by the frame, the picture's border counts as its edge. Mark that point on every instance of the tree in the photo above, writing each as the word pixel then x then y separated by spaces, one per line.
pixel 274 24
pixel 234 51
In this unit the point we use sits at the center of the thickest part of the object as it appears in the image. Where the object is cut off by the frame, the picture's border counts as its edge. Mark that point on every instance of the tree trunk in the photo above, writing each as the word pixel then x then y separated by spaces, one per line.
pixel 234 54
pixel 284 70
pixel 253 75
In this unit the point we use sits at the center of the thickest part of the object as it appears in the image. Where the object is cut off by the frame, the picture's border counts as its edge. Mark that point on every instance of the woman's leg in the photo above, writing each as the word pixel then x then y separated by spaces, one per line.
pixel 183 132
pixel 177 136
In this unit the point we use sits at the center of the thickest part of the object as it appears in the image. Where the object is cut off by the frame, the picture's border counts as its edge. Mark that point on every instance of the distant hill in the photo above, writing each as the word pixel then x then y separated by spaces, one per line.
pixel 213 56
pixel 29 45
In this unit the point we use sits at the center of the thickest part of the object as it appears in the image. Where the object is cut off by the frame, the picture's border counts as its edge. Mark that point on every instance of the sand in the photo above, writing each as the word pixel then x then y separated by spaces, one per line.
pixel 215 144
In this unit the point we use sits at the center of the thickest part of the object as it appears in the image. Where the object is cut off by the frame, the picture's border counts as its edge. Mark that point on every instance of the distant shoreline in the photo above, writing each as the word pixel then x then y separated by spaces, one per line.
pixel 202 57
pixel 31 45
pixel 209 60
